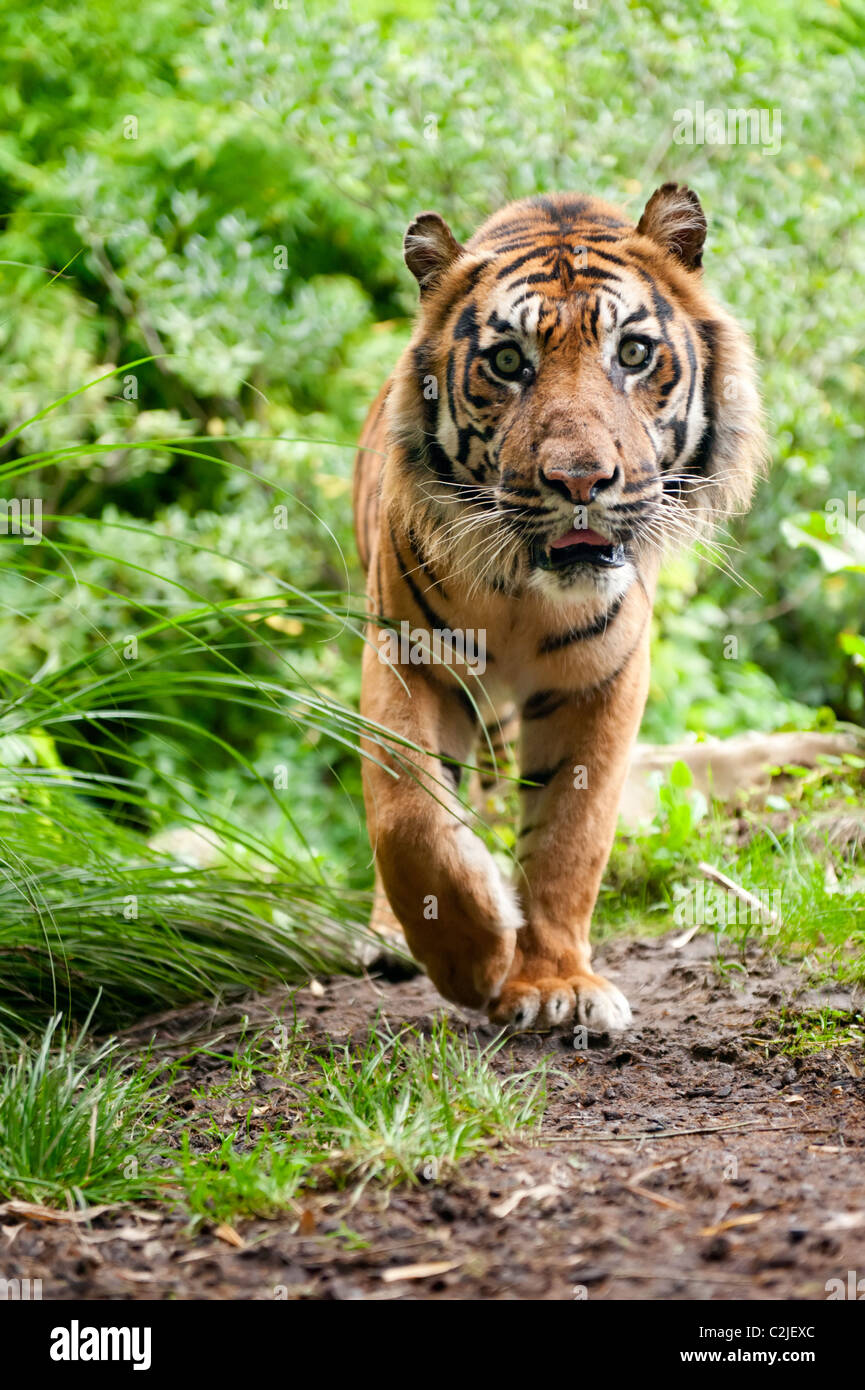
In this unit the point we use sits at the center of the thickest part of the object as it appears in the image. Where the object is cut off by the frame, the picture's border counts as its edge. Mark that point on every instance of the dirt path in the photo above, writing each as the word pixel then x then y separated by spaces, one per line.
pixel 615 1201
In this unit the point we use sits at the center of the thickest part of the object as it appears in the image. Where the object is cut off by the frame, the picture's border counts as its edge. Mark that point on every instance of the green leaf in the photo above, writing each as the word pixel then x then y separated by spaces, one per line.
pixel 680 775
pixel 839 545
pixel 853 645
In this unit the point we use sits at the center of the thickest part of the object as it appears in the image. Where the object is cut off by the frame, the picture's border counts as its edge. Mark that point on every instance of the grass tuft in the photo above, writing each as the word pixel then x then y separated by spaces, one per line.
pixel 400 1107
pixel 76 1123
pixel 802 1032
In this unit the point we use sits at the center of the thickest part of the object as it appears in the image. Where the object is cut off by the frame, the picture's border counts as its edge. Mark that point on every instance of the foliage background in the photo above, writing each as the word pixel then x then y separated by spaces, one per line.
pixel 222 188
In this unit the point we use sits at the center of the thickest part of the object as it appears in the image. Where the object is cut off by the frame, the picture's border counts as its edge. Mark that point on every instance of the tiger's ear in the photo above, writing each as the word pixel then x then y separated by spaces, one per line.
pixel 675 220
pixel 429 248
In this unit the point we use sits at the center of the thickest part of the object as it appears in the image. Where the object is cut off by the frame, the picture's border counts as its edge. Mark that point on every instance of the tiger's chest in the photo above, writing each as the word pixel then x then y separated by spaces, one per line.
pixel 523 649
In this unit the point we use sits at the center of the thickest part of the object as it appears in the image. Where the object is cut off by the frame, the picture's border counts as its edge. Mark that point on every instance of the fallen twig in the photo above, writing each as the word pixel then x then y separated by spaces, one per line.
pixel 749 1219
pixel 424 1271
pixel 669 1203
pixel 753 902
pixel 35 1211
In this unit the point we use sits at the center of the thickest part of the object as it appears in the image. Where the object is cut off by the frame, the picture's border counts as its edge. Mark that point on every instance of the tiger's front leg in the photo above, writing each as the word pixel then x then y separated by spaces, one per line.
pixel 577 754
pixel 459 915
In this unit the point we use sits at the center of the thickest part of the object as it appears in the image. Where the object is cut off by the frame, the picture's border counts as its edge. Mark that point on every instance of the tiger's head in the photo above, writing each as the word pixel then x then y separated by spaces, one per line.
pixel 572 399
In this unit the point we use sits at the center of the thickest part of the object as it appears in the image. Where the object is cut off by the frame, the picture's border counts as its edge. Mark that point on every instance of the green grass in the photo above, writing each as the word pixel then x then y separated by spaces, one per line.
pixel 783 858
pixel 143 849
pixel 80 1125
pixel 407 1104
pixel 800 1033
pixel 229 1183
pixel 77 1124
pixel 400 1107
pixel 120 868
pixel 157 893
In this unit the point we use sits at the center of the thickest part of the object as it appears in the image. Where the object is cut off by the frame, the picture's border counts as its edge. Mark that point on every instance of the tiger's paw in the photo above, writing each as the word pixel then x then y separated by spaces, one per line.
pixel 601 1006
pixel 551 1002
pixel 468 969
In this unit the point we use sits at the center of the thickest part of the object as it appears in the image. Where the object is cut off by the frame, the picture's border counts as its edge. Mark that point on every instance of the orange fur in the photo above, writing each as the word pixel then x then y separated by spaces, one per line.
pixel 516 417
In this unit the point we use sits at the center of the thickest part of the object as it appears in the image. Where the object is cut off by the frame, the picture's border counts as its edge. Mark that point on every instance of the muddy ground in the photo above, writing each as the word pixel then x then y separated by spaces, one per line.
pixel 679 1161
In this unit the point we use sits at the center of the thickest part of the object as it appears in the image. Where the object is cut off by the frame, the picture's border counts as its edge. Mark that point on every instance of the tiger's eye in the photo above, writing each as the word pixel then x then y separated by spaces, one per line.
pixel 634 352
pixel 508 361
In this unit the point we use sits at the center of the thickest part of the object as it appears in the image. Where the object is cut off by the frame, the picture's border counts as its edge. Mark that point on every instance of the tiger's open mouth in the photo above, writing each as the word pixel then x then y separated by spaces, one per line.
pixel 580 547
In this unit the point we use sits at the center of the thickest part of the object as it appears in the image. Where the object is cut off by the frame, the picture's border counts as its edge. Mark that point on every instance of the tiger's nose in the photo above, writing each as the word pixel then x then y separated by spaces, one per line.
pixel 580 485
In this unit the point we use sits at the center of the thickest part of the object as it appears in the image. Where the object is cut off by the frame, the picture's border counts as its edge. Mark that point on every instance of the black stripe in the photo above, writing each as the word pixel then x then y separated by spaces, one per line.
pixel 370 515
pixel 692 363
pixel 497 731
pixel 557 641
pixel 452 769
pixel 543 253
pixel 521 298
pixel 379 596
pixel 521 243
pixel 543 776
pixel 464 288
pixel 517 226
pixel 427 673
pixel 608 256
pixel 430 454
pixel 603 238
pixel 519 491
pixel 544 702
pixel 597 272
pixel 416 549
pixel 636 317
pixel 560 208
pixel 538 280
pixel 432 617
pixel 611 679
pixel 702 456
pixel 637 484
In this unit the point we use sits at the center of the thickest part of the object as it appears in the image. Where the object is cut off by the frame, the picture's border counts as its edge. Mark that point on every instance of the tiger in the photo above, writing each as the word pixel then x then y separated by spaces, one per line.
pixel 572 402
